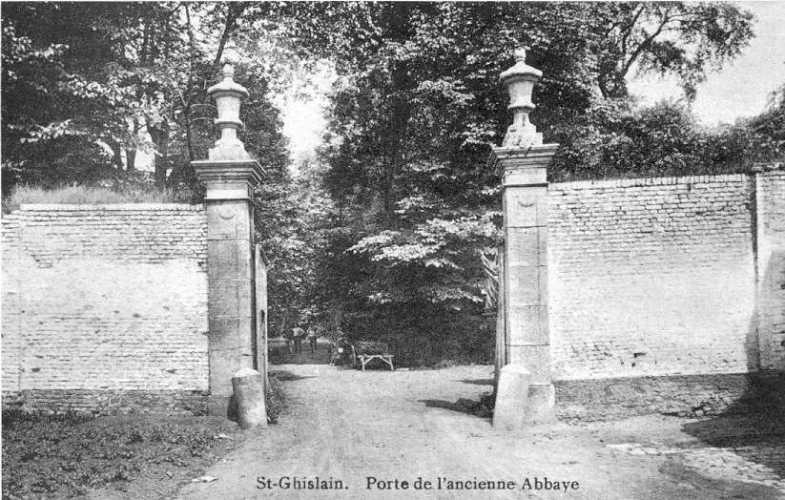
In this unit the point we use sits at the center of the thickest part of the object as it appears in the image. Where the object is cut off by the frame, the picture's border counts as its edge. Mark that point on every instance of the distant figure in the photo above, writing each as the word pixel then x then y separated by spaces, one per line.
pixel 312 336
pixel 289 346
pixel 298 334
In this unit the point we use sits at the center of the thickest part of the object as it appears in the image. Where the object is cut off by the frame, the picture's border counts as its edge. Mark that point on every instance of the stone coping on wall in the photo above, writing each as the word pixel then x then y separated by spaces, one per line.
pixel 763 167
pixel 648 181
pixel 116 207
pixel 664 181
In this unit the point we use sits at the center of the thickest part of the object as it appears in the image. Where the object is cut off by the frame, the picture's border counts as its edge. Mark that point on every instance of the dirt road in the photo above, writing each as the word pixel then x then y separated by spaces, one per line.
pixel 359 431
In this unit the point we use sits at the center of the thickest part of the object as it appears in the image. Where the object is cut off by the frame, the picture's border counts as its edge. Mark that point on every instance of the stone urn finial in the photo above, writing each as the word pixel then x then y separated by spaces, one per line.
pixel 519 81
pixel 228 94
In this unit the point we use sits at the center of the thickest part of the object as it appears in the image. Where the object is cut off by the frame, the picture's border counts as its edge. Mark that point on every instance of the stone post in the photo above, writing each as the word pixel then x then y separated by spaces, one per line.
pixel 522 161
pixel 229 175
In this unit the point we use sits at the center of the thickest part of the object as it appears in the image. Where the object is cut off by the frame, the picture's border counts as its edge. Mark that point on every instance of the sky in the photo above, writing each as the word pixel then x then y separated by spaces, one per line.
pixel 743 87
pixel 304 118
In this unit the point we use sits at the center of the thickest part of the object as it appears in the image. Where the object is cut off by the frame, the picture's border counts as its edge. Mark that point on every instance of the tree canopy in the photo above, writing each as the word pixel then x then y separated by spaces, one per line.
pixel 94 80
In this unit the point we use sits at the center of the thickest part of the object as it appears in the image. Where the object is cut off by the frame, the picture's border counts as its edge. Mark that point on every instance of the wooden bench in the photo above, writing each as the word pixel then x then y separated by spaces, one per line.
pixel 365 352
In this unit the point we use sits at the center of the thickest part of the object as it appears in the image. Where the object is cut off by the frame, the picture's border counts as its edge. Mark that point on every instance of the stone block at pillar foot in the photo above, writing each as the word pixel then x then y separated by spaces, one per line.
pixel 511 398
pixel 541 404
pixel 250 398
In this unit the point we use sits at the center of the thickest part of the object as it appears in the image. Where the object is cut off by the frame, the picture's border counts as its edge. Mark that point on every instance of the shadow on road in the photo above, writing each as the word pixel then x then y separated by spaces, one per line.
pixel 286 376
pixel 478 381
pixel 753 427
pixel 468 406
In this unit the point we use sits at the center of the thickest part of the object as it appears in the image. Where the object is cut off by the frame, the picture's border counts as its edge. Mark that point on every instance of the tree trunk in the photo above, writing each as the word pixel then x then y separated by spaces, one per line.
pixel 284 323
pixel 398 29
pixel 117 156
pixel 234 10
pixel 160 135
pixel 130 157
pixel 130 153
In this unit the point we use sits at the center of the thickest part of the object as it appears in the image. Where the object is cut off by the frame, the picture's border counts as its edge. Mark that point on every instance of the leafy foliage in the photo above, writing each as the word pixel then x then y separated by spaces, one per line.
pixel 102 81
pixel 677 38
pixel 616 140
pixel 767 130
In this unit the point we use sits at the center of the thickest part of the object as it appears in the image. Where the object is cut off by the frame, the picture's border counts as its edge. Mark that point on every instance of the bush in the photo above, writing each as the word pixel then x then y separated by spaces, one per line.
pixel 614 140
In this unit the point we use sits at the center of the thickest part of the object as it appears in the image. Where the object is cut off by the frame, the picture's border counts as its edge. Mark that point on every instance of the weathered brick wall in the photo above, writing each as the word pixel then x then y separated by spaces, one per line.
pixel 770 207
pixel 652 277
pixel 104 298
pixel 684 395
pixel 11 307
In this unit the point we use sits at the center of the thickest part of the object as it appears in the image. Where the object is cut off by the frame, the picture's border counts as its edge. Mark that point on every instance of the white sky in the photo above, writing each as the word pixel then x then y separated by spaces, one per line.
pixel 743 87
pixel 304 113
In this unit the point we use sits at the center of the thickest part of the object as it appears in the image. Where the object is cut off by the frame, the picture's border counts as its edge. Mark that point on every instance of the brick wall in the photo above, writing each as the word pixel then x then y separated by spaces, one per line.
pixel 684 395
pixel 104 298
pixel 770 207
pixel 11 305
pixel 653 277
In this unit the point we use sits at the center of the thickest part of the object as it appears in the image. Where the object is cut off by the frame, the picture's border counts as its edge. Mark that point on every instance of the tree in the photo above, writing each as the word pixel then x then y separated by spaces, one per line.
pixel 615 139
pixel 769 129
pixel 104 73
pixel 669 37
pixel 79 71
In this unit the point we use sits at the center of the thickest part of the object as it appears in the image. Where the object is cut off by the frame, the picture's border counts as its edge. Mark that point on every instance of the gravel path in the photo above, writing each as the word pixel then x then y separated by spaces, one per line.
pixel 349 426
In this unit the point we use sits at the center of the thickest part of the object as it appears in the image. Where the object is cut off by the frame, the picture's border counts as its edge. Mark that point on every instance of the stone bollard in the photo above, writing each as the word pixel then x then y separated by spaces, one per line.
pixel 511 398
pixel 249 398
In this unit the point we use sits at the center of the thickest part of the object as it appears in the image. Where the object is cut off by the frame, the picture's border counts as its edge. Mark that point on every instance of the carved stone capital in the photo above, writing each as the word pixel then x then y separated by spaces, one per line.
pixel 228 179
pixel 523 166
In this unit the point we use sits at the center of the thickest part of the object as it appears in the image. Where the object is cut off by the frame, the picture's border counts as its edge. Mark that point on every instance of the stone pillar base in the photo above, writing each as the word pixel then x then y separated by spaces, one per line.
pixel 541 401
pixel 250 398
pixel 519 403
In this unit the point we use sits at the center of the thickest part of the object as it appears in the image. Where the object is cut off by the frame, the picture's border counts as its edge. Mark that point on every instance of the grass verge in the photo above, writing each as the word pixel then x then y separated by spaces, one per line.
pixel 70 455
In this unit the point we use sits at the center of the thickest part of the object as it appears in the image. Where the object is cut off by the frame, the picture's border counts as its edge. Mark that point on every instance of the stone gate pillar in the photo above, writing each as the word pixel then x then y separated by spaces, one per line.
pixel 229 175
pixel 527 395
